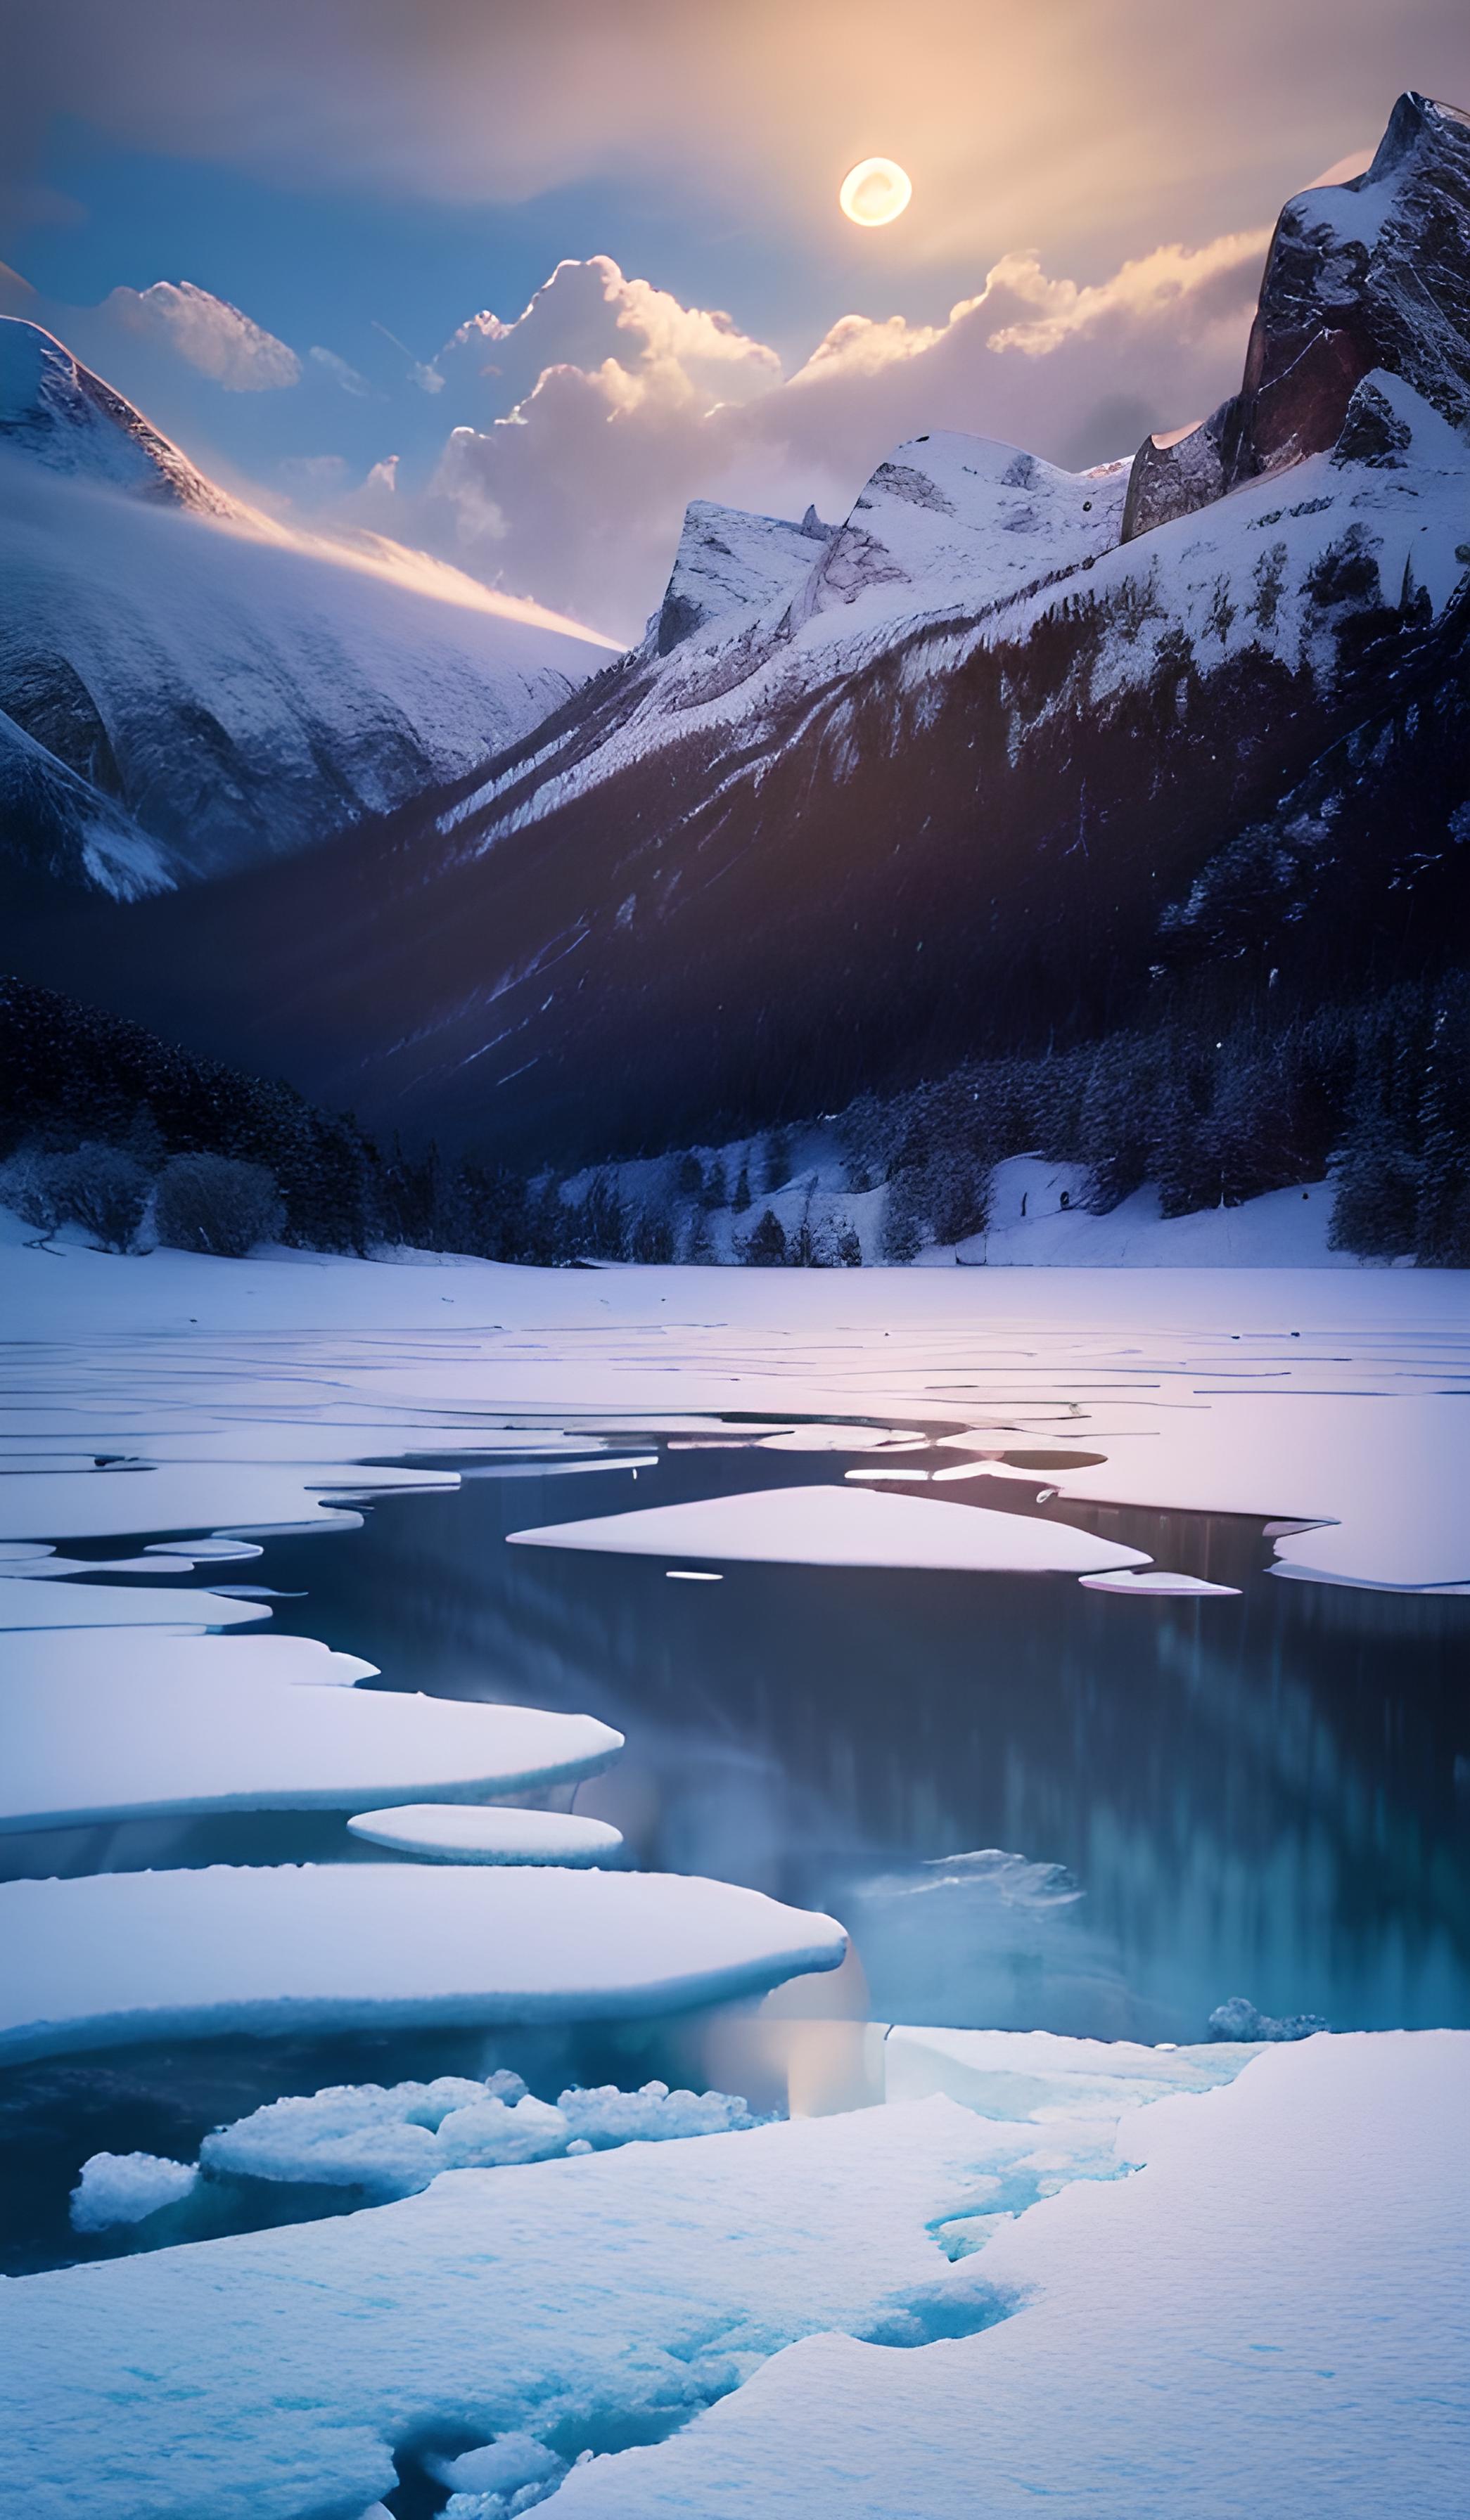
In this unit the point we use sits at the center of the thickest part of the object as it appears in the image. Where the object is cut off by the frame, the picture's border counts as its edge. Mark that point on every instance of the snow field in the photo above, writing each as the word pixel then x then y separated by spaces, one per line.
pixel 315 2350
pixel 1329 1398
pixel 1268 2316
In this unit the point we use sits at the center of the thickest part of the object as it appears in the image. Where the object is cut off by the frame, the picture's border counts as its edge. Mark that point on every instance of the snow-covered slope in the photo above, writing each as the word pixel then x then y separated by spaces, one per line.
pixel 968 775
pixel 729 562
pixel 208 688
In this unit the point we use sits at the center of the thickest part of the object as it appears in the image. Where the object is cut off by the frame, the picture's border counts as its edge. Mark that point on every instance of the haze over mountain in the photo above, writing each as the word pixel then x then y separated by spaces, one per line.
pixel 1012 755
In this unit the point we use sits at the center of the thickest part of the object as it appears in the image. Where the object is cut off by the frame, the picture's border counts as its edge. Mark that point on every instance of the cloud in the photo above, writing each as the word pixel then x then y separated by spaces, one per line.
pixel 341 373
pixel 208 333
pixel 589 315
pixel 1046 123
pixel 576 494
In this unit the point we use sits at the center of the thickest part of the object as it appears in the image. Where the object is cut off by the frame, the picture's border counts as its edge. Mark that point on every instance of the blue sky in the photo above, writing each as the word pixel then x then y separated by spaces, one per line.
pixel 339 170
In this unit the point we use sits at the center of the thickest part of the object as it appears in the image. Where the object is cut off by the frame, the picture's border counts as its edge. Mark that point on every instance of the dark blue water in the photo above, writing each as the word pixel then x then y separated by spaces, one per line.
pixel 1267 1796
pixel 1032 1806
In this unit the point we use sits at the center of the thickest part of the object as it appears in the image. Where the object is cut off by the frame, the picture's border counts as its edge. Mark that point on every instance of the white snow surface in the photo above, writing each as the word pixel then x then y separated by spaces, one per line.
pixel 1295 1395
pixel 335 678
pixel 958 542
pixel 112 1958
pixel 842 1526
pixel 80 1747
pixel 394 2142
pixel 127 2188
pixel 614 2292
pixel 32 1601
pixel 128 1656
pixel 1158 1582
pixel 1268 2314
pixel 447 1835
pixel 729 562
pixel 1269 2317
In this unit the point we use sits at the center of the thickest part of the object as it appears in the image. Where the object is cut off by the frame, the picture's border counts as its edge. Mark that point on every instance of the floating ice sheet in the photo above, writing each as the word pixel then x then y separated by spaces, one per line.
pixel 842 1526
pixel 126 1955
pixel 1156 1580
pixel 194 1495
pixel 81 1746
pixel 394 2142
pixel 445 1833
pixel 128 1655
pixel 27 1604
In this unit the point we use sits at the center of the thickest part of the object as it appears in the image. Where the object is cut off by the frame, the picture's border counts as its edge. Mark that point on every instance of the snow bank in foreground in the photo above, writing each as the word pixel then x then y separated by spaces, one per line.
pixel 445 1834
pixel 394 2141
pixel 845 1526
pixel 82 1747
pixel 125 1956
pixel 1270 2318
pixel 595 2300
pixel 127 2188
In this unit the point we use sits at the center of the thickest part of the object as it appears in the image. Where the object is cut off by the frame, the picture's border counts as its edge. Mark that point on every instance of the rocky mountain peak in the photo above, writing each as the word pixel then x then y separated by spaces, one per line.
pixel 59 414
pixel 1369 275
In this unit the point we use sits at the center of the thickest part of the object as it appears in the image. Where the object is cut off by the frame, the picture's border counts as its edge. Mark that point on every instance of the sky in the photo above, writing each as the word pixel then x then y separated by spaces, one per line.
pixel 512 283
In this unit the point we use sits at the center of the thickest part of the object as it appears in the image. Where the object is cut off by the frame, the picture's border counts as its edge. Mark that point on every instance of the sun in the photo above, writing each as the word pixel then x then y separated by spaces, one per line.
pixel 874 192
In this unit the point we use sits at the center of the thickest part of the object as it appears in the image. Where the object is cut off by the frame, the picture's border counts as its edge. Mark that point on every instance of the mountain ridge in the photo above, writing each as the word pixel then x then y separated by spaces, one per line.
pixel 980 772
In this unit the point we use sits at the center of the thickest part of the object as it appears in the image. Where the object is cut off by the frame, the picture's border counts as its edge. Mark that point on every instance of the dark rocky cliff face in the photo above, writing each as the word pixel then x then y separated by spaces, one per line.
pixel 1370 274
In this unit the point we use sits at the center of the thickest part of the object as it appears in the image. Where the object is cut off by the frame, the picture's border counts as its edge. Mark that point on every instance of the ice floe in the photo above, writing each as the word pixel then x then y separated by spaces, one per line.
pixel 1161 1584
pixel 195 1496
pixel 1237 2018
pixel 842 1526
pixel 446 1834
pixel 78 1747
pixel 394 2142
pixel 35 1602
pixel 117 1957
pixel 131 1655
pixel 118 2188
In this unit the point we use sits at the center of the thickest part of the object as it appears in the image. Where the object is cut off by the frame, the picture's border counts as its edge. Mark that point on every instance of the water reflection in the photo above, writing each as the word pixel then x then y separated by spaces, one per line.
pixel 1254 1796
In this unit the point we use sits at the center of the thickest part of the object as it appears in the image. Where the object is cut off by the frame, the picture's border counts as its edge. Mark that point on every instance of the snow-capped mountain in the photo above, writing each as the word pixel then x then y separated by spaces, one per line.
pixel 1008 756
pixel 205 687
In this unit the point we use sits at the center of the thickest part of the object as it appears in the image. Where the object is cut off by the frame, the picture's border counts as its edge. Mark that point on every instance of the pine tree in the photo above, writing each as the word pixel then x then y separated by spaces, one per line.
pixel 741 1199
pixel 765 1245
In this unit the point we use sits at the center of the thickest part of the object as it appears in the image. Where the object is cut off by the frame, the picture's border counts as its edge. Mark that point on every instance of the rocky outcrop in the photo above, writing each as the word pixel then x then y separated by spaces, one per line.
pixel 729 562
pixel 1372 274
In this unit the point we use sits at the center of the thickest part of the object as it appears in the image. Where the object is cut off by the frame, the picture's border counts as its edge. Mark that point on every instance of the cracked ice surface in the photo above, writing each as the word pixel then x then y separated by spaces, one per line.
pixel 248 1393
